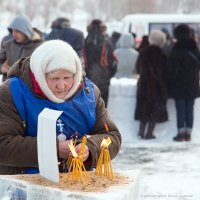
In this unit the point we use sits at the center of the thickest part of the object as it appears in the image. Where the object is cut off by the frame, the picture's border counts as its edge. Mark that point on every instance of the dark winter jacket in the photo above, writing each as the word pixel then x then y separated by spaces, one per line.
pixel 151 87
pixel 183 70
pixel 70 35
pixel 18 152
pixel 100 63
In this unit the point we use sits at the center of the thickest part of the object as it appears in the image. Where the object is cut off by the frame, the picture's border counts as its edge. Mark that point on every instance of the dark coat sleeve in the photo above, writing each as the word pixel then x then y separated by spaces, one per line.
pixel 2 56
pixel 16 150
pixel 99 132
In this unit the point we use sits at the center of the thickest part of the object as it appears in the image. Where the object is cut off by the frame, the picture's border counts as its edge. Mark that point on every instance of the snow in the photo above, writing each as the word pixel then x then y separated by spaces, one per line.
pixel 170 170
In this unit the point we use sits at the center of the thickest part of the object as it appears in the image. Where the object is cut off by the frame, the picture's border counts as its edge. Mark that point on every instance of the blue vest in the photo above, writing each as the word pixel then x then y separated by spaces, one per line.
pixel 78 113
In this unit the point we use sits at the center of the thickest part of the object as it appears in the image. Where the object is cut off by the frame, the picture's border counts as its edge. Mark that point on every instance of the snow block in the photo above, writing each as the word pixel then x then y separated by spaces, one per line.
pixel 11 188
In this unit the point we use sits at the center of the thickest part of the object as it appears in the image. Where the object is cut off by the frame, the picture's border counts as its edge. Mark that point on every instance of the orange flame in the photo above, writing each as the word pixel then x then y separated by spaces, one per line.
pixel 106 127
pixel 105 142
pixel 72 149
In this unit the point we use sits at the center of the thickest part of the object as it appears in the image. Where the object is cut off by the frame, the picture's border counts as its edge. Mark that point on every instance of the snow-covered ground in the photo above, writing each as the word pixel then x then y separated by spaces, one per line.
pixel 170 170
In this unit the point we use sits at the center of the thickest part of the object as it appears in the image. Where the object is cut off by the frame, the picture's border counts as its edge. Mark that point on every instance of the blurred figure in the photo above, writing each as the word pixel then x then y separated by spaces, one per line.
pixel 168 43
pixel 100 64
pixel 114 39
pixel 144 43
pixel 151 87
pixel 183 79
pixel 126 56
pixel 23 42
pixel 61 29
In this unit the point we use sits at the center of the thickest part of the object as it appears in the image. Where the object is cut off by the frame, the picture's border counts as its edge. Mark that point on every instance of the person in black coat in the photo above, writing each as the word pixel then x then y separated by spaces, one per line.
pixel 100 62
pixel 151 88
pixel 183 79
pixel 61 30
pixel 144 43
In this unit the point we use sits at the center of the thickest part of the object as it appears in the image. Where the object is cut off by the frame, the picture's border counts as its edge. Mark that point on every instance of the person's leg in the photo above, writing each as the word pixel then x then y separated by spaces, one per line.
pixel 149 134
pixel 142 129
pixel 180 113
pixel 189 118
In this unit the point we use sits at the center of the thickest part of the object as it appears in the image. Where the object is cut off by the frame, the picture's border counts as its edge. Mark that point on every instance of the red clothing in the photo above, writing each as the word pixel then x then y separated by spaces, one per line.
pixel 36 85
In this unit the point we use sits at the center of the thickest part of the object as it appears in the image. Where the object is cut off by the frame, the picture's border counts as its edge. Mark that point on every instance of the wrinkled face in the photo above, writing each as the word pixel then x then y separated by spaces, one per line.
pixel 18 36
pixel 60 82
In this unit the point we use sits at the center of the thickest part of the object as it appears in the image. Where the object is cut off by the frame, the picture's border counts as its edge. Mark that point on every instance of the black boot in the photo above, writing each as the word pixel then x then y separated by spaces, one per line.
pixel 188 136
pixel 150 130
pixel 180 137
pixel 142 129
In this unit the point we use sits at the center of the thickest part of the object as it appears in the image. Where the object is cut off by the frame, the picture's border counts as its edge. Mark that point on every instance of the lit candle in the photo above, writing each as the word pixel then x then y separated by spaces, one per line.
pixel 104 160
pixel 76 164
pixel 106 127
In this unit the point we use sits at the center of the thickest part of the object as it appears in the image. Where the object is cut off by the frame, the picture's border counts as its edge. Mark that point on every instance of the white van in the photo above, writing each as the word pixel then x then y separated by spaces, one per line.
pixel 143 24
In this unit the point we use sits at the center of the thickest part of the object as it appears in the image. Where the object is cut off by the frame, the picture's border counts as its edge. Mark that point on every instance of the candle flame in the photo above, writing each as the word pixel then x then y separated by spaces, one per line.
pixel 72 149
pixel 105 142
pixel 106 127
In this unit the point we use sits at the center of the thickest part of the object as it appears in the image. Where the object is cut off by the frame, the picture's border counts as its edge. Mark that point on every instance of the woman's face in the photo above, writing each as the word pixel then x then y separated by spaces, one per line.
pixel 60 82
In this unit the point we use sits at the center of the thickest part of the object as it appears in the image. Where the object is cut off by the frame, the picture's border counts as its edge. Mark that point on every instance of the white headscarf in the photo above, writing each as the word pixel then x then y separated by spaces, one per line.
pixel 54 55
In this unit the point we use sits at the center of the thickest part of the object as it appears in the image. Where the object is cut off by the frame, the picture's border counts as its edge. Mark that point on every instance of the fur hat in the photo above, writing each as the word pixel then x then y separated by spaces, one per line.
pixel 22 24
pixel 98 25
pixel 182 32
pixel 54 55
pixel 61 23
pixel 157 38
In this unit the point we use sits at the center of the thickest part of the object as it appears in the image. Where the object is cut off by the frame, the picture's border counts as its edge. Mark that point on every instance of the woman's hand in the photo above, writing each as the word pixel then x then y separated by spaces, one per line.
pixel 86 151
pixel 64 149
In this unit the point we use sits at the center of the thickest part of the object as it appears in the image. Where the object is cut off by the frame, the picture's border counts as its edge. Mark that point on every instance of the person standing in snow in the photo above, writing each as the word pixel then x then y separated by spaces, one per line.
pixel 61 29
pixel 100 63
pixel 114 39
pixel 126 56
pixel 144 43
pixel 183 79
pixel 151 97
pixel 22 43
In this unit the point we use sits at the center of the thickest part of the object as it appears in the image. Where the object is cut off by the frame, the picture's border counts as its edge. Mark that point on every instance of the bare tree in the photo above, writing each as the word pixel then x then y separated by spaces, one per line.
pixel 48 10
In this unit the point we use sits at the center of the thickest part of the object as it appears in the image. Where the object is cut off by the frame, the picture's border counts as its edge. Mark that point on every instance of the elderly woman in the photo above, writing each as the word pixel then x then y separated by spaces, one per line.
pixel 52 77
